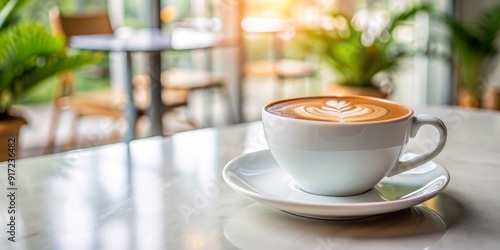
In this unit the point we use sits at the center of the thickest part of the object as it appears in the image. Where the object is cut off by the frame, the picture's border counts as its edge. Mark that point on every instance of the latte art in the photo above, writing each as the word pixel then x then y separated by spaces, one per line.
pixel 341 111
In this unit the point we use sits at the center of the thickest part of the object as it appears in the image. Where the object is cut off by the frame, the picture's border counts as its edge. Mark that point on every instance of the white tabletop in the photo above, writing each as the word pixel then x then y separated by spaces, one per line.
pixel 148 40
pixel 168 193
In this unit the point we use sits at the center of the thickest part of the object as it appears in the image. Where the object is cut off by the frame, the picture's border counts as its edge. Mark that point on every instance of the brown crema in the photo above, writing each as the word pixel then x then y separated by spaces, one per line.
pixel 343 109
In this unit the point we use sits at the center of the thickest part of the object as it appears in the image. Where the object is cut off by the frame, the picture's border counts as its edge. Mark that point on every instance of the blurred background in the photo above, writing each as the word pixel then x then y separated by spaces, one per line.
pixel 412 51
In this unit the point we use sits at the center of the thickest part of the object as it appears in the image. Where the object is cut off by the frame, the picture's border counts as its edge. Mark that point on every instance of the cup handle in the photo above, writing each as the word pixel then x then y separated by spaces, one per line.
pixel 417 122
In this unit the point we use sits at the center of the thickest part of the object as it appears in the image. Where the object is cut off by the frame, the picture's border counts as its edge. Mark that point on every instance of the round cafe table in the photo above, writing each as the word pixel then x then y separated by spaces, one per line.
pixel 150 41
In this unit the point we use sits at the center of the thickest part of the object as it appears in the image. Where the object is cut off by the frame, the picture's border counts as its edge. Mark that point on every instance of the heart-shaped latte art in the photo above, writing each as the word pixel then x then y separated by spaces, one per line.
pixel 342 111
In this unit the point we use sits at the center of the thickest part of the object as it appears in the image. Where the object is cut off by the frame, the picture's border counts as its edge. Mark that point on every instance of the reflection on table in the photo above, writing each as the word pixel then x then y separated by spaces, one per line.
pixel 159 193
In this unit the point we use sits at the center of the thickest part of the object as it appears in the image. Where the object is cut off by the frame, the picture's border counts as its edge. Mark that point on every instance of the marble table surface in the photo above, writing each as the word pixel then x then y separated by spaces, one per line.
pixel 168 193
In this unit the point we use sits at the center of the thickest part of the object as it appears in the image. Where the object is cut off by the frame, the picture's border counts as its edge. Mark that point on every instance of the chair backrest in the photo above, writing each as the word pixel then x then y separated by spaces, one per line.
pixel 79 24
pixel 74 25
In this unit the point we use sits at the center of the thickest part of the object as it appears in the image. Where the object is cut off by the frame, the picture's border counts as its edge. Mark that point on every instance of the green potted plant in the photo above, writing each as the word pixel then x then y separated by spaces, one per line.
pixel 476 47
pixel 29 54
pixel 359 50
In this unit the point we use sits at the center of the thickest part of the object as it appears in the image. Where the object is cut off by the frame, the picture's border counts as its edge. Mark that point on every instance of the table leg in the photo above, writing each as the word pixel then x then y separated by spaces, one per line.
pixel 241 57
pixel 130 113
pixel 156 106
pixel 155 111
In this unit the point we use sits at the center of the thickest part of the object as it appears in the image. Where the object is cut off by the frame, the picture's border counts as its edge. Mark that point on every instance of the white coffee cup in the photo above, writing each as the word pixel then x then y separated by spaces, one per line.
pixel 351 153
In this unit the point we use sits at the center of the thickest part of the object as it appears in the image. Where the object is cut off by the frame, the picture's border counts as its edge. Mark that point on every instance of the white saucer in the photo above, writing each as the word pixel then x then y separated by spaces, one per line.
pixel 258 176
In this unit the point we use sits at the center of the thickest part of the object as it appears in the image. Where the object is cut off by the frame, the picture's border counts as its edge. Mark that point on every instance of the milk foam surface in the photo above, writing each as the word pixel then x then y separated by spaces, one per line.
pixel 339 109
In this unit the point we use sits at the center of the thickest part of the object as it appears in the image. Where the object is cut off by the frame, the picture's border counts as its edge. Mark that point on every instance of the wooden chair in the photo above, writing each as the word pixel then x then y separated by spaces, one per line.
pixel 281 69
pixel 108 102
pixel 278 66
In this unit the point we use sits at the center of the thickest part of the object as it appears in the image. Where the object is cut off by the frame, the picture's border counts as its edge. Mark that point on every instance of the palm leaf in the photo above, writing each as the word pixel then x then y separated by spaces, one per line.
pixel 358 63
pixel 475 47
pixel 406 15
pixel 489 26
pixel 9 10
pixel 29 54
pixel 53 65
pixel 23 46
